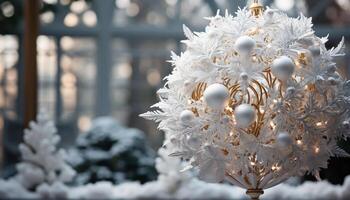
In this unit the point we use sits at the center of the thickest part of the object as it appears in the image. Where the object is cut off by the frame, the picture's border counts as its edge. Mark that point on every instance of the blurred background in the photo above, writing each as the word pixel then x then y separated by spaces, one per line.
pixel 108 58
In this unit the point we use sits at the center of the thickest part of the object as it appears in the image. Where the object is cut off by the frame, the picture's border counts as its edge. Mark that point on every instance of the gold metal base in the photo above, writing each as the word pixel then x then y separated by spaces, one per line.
pixel 254 194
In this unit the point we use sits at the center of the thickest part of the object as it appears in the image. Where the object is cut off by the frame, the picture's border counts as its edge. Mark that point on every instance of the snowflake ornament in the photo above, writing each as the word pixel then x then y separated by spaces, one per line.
pixel 255 99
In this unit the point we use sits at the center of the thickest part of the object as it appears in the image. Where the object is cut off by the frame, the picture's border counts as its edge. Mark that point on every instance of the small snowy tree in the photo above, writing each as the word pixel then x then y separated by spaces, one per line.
pixel 42 162
pixel 111 152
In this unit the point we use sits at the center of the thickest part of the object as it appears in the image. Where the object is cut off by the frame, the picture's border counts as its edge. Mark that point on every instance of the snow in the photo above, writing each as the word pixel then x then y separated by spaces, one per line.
pixel 13 189
pixel 173 182
pixel 196 189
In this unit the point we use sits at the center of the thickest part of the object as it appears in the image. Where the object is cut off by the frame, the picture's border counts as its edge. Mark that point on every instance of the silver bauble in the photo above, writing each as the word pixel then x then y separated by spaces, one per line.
pixel 194 142
pixel 283 68
pixel 244 44
pixel 346 124
pixel 245 115
pixel 315 51
pixel 290 91
pixel 186 116
pixel 284 139
pixel 216 95
pixel 244 76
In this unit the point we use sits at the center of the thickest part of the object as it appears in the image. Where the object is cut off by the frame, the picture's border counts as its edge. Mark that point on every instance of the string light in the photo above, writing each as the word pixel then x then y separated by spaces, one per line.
pixel 299 142
pixel 317 150
pixel 319 124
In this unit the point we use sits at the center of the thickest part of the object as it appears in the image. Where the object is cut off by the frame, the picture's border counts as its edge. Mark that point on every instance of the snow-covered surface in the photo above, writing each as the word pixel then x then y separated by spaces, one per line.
pixel 174 184
pixel 196 189
pixel 171 184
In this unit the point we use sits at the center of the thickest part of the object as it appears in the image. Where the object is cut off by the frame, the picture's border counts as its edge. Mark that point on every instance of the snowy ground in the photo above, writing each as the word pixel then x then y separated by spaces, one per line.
pixel 170 184
pixel 198 190
pixel 193 189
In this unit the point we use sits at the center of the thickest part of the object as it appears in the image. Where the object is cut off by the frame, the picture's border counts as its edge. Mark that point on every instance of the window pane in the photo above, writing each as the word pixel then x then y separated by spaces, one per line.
pixel 78 80
pixel 47 69
pixel 138 70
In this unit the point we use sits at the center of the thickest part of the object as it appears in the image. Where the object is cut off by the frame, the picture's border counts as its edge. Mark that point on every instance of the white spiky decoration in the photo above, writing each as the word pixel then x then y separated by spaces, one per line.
pixel 42 162
pixel 254 100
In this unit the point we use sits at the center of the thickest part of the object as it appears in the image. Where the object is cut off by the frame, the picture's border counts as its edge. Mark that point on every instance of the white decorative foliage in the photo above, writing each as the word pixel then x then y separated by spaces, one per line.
pixel 286 80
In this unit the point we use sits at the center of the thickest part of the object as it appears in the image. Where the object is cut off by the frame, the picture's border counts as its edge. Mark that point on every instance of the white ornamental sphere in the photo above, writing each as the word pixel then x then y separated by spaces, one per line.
pixel 315 51
pixel 186 116
pixel 244 76
pixel 290 91
pixel 194 142
pixel 244 44
pixel 187 83
pixel 245 115
pixel 284 139
pixel 216 95
pixel 346 124
pixel 319 79
pixel 283 68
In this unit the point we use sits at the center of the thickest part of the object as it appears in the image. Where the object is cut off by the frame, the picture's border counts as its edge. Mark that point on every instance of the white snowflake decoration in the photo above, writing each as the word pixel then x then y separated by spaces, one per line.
pixel 255 99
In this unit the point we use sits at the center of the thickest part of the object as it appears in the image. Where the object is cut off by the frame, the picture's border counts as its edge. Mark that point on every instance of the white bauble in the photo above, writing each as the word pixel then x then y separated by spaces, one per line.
pixel 216 95
pixel 332 81
pixel 187 83
pixel 346 124
pixel 269 14
pixel 244 44
pixel 186 116
pixel 331 69
pixel 244 76
pixel 283 68
pixel 245 115
pixel 284 139
pixel 290 91
pixel 319 79
pixel 225 120
pixel 194 142
pixel 315 51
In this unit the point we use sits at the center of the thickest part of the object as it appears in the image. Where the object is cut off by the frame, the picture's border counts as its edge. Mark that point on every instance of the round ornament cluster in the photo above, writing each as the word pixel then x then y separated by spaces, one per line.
pixel 255 100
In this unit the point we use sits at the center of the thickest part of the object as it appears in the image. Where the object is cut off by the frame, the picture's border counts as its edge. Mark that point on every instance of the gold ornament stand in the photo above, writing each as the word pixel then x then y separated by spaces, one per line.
pixel 257 10
pixel 254 194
